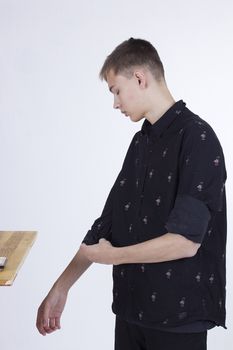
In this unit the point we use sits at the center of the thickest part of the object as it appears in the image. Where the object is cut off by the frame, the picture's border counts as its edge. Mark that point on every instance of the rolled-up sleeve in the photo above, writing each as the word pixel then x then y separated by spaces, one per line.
pixel 189 217
pixel 101 227
pixel 201 182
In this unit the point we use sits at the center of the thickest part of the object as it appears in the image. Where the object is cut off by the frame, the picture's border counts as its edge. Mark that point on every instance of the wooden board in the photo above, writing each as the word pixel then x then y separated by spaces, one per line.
pixel 15 245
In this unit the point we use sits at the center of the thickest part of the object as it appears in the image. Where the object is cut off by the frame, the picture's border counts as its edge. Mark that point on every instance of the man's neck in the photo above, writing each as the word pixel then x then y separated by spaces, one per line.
pixel 158 111
pixel 159 100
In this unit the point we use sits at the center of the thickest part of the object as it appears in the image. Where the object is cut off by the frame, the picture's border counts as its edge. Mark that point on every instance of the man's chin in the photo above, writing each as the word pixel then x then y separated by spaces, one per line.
pixel 135 118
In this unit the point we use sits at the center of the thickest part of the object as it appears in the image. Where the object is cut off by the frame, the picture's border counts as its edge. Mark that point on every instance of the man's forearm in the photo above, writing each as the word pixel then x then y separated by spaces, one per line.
pixel 78 265
pixel 164 248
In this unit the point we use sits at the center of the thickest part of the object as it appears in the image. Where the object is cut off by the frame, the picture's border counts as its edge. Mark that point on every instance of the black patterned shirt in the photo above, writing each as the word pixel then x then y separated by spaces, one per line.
pixel 172 180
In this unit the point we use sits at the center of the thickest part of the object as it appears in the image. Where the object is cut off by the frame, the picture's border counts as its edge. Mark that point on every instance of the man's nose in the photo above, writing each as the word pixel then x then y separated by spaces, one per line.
pixel 116 104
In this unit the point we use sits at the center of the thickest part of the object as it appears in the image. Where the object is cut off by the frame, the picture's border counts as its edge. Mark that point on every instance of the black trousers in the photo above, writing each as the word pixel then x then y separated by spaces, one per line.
pixel 130 336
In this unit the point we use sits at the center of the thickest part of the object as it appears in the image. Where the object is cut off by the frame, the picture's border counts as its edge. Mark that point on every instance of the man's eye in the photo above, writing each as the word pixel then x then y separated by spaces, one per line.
pixel 117 92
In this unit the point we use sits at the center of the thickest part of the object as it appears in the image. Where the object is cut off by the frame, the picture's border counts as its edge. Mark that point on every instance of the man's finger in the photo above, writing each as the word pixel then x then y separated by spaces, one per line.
pixel 57 322
pixel 42 325
pixel 52 324
pixel 42 321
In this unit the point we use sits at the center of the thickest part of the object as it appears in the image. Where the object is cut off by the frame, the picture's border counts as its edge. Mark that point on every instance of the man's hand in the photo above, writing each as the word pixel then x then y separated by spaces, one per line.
pixel 102 252
pixel 49 312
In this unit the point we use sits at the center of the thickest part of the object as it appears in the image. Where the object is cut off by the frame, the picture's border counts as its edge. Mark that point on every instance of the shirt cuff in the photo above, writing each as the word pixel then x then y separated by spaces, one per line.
pixel 90 238
pixel 94 237
pixel 189 218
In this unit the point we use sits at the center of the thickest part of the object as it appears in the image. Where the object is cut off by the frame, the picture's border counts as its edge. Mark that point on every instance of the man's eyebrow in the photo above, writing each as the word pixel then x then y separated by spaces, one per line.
pixel 110 89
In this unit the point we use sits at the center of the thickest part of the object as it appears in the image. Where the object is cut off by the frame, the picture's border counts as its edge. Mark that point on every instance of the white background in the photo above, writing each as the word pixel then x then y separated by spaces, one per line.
pixel 62 144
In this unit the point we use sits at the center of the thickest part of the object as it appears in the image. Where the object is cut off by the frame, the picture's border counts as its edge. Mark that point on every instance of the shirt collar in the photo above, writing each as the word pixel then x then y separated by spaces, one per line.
pixel 164 121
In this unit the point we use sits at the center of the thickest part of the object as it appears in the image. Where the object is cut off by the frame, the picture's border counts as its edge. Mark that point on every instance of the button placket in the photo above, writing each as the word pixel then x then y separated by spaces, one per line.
pixel 148 152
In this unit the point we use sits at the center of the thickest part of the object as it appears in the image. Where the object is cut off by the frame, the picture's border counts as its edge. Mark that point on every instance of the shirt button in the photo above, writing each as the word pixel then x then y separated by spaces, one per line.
pixel 142 195
pixel 150 150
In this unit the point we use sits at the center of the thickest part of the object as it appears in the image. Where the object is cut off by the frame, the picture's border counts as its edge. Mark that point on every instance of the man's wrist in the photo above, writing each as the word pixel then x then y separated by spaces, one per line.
pixel 60 287
pixel 119 255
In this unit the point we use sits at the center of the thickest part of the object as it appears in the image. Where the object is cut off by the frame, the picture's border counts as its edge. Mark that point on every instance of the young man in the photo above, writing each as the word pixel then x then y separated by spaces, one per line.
pixel 163 226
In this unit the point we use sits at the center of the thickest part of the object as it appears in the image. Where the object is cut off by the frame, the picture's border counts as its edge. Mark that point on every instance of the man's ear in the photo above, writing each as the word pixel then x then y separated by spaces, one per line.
pixel 140 77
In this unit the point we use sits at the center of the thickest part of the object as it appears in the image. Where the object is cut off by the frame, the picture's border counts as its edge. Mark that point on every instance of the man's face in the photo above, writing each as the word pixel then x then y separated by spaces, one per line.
pixel 127 95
